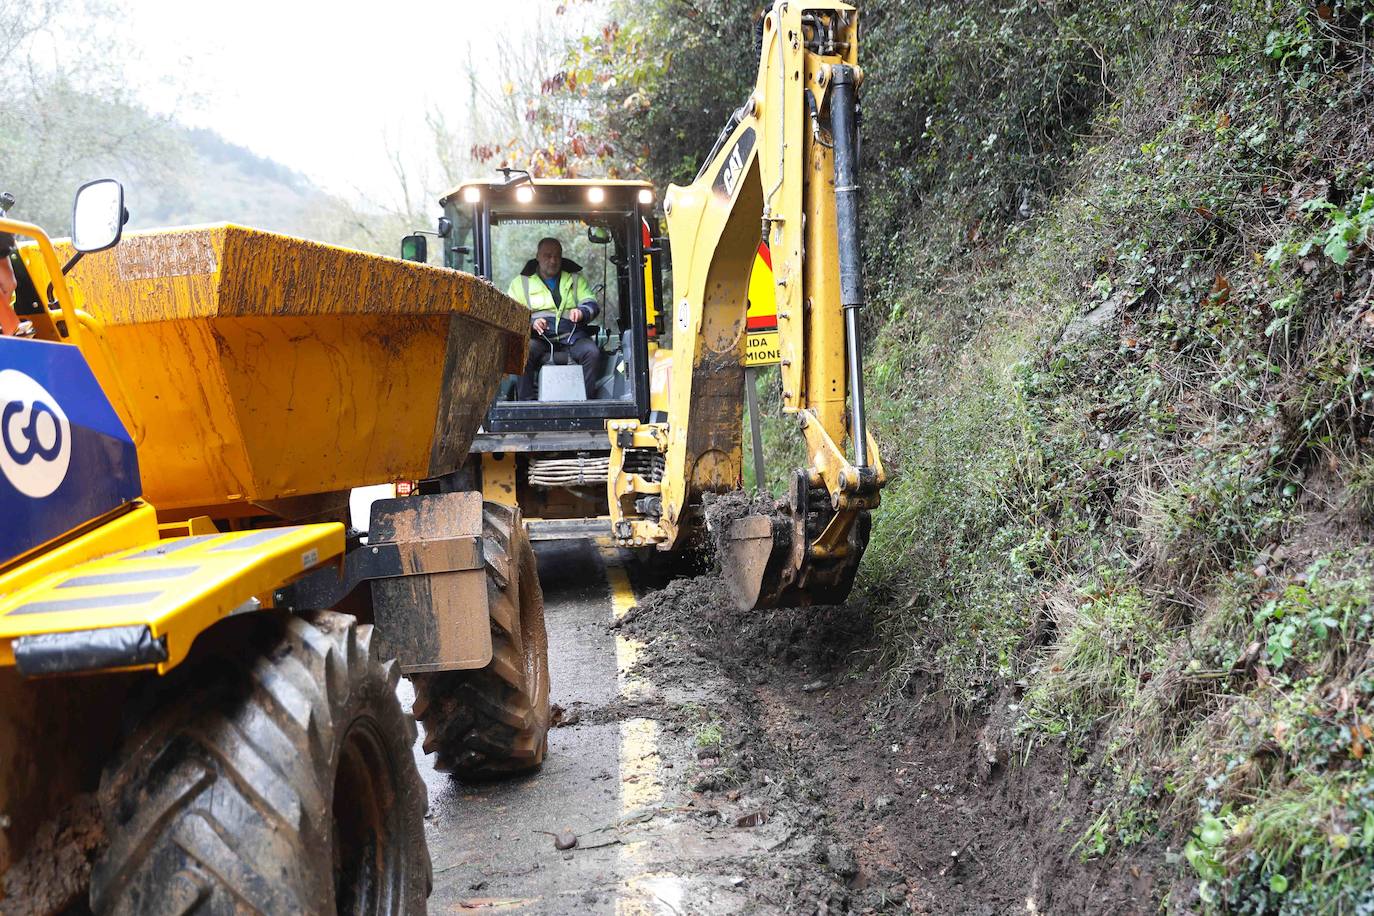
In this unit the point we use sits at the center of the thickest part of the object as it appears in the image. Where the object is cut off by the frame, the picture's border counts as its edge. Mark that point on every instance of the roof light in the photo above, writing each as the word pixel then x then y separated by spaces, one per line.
pixel 596 195
pixel 646 196
pixel 472 195
pixel 524 194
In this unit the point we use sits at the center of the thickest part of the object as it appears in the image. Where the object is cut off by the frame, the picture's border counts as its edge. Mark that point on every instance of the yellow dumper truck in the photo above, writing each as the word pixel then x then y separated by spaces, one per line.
pixel 198 663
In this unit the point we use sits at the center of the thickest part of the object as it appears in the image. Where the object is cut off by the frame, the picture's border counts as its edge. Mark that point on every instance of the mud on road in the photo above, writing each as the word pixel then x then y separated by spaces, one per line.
pixel 707 760
pixel 652 798
pixel 903 809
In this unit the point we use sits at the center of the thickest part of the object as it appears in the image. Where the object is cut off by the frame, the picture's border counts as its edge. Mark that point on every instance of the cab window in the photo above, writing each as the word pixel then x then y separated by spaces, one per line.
pixel 593 247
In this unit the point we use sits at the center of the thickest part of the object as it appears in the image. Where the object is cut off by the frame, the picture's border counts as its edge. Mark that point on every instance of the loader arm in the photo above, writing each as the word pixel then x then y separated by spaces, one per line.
pixel 783 170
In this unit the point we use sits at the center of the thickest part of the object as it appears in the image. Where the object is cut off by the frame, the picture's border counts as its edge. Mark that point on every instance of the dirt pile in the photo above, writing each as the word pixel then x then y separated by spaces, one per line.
pixel 756 644
pixel 724 509
pixel 916 814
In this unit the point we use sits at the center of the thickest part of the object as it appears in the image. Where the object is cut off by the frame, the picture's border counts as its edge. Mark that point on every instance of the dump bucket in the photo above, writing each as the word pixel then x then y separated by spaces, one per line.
pixel 262 372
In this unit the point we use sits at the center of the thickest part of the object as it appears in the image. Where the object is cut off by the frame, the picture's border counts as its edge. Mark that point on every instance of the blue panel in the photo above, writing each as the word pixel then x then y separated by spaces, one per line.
pixel 65 457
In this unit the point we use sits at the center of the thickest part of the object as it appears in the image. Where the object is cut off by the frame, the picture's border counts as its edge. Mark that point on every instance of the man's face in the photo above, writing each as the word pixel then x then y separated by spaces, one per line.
pixel 550 257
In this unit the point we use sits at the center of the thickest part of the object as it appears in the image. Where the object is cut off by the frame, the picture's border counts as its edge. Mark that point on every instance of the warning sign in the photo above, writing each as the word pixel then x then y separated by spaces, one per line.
pixel 762 349
pixel 761 346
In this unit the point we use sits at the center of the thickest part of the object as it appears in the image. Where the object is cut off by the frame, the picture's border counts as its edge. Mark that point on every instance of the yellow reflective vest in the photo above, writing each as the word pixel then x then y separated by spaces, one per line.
pixel 573 292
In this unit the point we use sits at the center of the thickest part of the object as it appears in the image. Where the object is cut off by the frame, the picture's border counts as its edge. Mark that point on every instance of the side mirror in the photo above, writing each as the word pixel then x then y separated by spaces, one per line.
pixel 598 235
pixel 415 248
pixel 445 227
pixel 98 215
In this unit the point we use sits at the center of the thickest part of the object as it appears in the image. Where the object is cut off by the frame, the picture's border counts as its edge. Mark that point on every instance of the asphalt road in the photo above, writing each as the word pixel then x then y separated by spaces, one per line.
pixel 616 778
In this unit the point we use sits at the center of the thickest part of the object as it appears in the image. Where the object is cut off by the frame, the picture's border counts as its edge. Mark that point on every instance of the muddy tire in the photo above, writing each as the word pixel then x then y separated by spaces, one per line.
pixel 270 760
pixel 494 721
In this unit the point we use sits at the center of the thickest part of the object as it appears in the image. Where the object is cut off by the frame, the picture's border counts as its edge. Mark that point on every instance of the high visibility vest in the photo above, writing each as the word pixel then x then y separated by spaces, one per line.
pixel 573 292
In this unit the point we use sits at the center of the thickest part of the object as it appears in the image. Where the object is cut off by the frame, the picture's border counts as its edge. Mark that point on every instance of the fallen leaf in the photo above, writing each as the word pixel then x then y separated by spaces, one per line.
pixel 1221 290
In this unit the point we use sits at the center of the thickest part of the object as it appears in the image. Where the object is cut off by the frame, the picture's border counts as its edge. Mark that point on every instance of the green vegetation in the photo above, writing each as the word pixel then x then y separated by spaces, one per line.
pixel 1139 474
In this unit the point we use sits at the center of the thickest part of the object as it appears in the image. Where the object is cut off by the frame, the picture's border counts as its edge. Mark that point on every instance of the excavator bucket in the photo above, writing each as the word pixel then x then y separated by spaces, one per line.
pixel 805 555
pixel 745 553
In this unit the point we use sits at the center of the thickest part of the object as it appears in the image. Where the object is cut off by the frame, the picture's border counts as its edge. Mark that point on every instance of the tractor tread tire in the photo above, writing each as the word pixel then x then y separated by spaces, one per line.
pixel 494 721
pixel 221 800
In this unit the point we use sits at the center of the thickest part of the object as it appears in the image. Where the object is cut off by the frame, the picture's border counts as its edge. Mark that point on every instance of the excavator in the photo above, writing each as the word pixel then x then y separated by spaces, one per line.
pixel 631 459
pixel 199 659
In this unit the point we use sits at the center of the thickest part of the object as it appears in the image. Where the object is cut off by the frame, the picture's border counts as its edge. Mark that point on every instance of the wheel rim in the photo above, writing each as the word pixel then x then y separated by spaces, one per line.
pixel 367 837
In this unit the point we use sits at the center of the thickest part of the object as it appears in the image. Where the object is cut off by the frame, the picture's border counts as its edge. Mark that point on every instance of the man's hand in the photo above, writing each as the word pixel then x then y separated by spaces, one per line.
pixel 540 325
pixel 575 316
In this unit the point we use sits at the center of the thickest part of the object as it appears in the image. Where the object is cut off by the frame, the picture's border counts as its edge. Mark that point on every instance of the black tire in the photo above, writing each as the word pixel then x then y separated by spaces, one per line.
pixel 494 721
pixel 268 762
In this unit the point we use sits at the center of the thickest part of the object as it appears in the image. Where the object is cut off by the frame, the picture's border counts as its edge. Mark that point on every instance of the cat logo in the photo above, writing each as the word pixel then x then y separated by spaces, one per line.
pixel 728 179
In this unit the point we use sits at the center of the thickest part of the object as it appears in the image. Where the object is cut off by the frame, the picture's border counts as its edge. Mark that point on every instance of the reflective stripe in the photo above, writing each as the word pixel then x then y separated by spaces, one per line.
pixel 84 604
pixel 121 578
pixel 254 539
pixel 172 546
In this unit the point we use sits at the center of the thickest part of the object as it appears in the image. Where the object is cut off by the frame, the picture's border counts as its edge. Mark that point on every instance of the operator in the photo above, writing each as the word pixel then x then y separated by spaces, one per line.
pixel 550 284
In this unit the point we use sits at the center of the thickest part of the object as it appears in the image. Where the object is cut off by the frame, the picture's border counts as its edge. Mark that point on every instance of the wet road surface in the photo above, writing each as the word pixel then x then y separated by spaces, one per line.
pixel 617 778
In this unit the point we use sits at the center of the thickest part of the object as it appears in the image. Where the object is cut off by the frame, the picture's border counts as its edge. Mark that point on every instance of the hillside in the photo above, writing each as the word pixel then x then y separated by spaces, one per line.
pixel 1131 331
pixel 222 181
pixel 173 174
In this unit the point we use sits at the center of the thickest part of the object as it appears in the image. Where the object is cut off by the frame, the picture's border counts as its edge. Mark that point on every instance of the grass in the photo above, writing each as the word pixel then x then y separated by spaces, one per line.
pixel 783 447
pixel 707 734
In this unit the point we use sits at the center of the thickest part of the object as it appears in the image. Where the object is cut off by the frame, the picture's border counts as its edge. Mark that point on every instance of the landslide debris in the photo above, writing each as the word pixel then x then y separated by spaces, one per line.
pixel 907 814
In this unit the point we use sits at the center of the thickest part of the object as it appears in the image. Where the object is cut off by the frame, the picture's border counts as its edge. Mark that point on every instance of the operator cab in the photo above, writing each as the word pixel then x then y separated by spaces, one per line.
pixel 606 229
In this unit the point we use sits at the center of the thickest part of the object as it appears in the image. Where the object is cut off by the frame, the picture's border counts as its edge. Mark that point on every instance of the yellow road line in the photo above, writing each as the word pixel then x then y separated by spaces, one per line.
pixel 640 783
pixel 622 594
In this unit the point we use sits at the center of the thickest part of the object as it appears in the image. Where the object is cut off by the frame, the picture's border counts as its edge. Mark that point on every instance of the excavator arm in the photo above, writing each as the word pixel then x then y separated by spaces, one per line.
pixel 784 170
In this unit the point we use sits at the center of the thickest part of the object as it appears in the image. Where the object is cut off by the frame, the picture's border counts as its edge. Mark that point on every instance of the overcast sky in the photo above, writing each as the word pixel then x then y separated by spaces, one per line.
pixel 323 86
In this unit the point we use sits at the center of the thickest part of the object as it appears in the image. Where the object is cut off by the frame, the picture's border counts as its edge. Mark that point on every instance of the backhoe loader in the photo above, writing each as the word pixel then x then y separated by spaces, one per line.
pixel 773 208
pixel 198 665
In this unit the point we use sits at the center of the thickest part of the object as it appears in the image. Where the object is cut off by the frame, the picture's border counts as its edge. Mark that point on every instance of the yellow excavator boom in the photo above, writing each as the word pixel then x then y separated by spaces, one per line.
pixel 784 170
